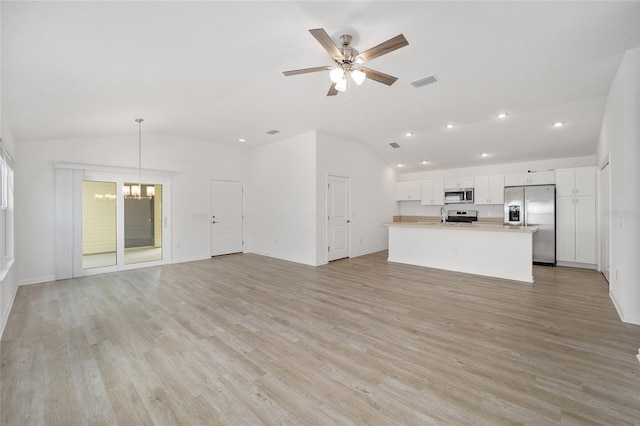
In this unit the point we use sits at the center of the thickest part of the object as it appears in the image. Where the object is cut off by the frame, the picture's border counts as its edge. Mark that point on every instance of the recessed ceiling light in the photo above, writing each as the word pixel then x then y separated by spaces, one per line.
pixel 242 140
pixel 400 165
pixel 424 162
pixel 450 126
pixel 484 154
pixel 558 124
pixel 408 134
pixel 502 115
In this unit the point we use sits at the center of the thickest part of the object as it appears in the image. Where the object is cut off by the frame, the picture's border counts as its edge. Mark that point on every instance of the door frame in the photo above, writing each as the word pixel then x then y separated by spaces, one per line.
pixel 602 219
pixel 326 214
pixel 68 217
pixel 120 180
pixel 209 218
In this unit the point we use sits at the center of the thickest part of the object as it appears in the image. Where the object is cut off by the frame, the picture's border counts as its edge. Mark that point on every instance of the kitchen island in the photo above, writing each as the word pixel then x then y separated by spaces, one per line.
pixel 493 250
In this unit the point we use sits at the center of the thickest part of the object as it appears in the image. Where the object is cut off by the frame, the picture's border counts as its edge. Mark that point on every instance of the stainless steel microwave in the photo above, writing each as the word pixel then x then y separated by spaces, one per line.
pixel 458 196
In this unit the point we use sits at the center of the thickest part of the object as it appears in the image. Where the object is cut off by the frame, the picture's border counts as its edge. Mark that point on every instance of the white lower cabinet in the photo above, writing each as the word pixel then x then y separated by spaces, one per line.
pixel 576 229
pixel 432 193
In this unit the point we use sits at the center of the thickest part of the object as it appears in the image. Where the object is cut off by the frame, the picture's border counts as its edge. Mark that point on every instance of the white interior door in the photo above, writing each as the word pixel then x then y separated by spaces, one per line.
pixel 338 201
pixel 226 218
pixel 605 221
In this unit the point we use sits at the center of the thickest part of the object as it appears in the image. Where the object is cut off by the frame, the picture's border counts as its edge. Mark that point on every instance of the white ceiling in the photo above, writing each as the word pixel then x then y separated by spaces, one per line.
pixel 213 71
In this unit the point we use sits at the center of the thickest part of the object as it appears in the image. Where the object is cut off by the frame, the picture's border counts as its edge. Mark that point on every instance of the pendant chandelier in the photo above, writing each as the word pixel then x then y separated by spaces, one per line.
pixel 135 191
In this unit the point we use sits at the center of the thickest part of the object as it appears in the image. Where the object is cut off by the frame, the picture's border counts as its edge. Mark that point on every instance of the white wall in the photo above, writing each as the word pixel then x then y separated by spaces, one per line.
pixel 9 285
pixel 372 193
pixel 620 140
pixel 414 208
pixel 281 200
pixel 194 162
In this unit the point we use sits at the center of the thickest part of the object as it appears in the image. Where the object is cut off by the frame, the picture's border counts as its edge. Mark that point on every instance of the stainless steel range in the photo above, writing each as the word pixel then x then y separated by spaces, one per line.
pixel 462 216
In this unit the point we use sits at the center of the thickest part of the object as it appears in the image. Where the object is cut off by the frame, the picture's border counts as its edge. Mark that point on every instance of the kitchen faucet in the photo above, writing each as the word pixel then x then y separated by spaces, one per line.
pixel 443 213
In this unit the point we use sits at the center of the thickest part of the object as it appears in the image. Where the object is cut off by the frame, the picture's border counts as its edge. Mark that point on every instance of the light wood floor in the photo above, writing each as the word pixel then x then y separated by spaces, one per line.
pixel 246 339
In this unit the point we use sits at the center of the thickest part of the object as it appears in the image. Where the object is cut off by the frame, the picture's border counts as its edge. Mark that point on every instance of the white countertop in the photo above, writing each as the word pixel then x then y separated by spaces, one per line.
pixel 475 226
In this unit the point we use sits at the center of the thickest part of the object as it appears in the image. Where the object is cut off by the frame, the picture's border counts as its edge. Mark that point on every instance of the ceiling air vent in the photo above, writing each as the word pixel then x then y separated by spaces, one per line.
pixel 424 81
pixel 394 145
pixel 273 132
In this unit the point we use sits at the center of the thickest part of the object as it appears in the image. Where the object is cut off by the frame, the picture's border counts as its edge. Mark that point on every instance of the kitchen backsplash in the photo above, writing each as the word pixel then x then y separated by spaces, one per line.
pixel 415 208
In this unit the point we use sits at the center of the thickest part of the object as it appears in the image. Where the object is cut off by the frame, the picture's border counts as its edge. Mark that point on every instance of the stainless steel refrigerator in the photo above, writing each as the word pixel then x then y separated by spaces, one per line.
pixel 534 206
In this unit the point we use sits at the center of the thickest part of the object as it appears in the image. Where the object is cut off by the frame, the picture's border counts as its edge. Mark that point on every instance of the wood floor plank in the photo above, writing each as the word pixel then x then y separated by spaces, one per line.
pixel 247 339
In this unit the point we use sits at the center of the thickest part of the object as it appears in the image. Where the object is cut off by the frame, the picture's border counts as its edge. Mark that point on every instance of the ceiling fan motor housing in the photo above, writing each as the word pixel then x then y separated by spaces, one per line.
pixel 349 54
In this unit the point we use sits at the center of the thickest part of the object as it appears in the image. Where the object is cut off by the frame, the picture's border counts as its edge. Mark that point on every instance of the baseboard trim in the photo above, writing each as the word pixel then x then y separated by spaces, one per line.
pixel 5 318
pixel 629 319
pixel 370 251
pixel 39 280
pixel 287 259
pixel 577 265
pixel 191 259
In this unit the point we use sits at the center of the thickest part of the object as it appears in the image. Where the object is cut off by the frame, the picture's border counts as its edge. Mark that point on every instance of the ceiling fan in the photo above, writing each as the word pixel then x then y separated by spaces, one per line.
pixel 349 60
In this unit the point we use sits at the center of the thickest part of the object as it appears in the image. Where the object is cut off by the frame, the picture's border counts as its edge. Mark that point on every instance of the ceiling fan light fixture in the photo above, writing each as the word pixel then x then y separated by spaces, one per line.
pixel 336 75
pixel 341 86
pixel 358 76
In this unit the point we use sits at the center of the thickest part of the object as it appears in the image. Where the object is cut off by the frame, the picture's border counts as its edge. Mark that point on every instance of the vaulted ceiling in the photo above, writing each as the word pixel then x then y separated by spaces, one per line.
pixel 213 71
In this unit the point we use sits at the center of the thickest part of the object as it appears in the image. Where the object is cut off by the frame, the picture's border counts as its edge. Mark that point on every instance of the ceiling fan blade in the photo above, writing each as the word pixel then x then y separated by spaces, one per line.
pixel 378 76
pixel 306 70
pixel 385 47
pixel 330 46
pixel 332 90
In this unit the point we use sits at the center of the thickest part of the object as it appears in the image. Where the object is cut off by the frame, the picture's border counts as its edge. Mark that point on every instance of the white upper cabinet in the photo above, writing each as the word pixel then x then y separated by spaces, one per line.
pixel 432 192
pixel 488 189
pixel 458 183
pixel 536 178
pixel 579 181
pixel 408 191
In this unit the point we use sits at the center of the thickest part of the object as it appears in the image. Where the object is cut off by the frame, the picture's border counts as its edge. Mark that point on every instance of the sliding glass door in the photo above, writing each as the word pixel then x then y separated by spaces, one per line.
pixel 123 225
pixel 99 233
pixel 142 223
